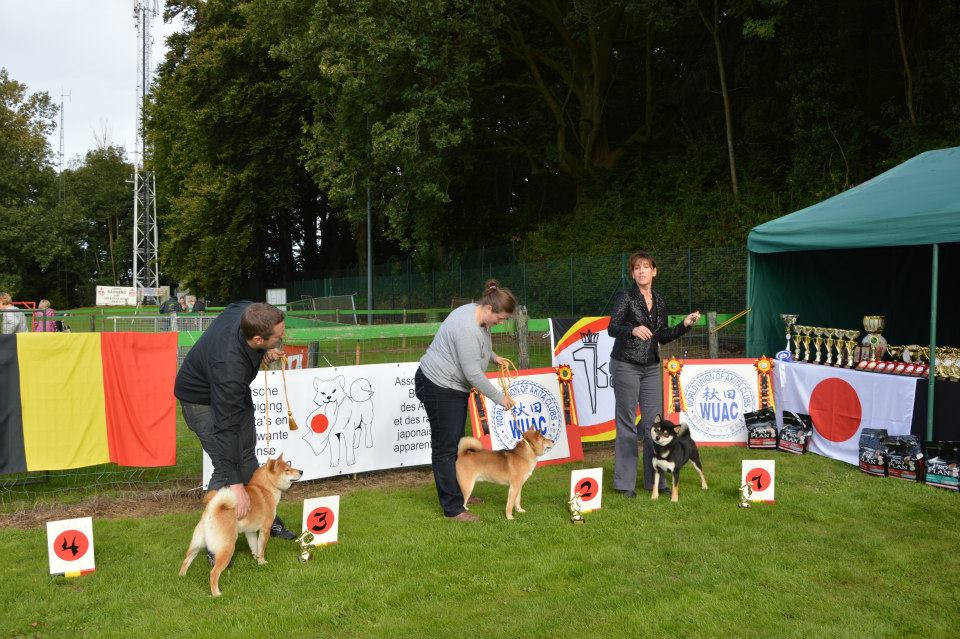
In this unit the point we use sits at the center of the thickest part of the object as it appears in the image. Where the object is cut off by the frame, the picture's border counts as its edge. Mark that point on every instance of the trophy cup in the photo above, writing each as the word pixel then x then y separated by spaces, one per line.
pixel 745 493
pixel 851 345
pixel 788 322
pixel 818 342
pixel 305 541
pixel 953 369
pixel 576 505
pixel 830 333
pixel 798 331
pixel 807 330
pixel 873 324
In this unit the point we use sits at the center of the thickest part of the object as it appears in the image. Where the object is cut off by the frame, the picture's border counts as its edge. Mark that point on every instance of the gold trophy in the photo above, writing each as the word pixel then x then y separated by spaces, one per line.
pixel 305 541
pixel 873 324
pixel 851 345
pixel 788 322
pixel 830 333
pixel 798 331
pixel 953 367
pixel 818 342
pixel 807 330
pixel 576 506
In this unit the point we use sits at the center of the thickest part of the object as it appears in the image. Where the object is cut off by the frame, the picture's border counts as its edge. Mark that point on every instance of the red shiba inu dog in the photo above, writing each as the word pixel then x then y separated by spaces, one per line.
pixel 218 527
pixel 510 467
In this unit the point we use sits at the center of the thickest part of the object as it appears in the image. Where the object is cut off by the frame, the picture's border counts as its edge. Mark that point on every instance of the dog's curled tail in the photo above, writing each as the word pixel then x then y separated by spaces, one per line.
pixel 468 444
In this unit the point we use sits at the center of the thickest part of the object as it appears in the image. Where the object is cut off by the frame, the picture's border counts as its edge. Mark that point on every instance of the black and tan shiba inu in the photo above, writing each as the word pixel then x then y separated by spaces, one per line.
pixel 672 448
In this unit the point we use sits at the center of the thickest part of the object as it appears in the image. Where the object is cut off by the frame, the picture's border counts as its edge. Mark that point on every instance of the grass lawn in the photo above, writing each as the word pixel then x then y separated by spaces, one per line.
pixel 840 554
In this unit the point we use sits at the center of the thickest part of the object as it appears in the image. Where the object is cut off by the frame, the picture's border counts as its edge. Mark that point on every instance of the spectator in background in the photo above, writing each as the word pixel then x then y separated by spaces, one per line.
pixel 43 321
pixel 13 320
pixel 200 305
pixel 191 302
pixel 182 305
pixel 169 305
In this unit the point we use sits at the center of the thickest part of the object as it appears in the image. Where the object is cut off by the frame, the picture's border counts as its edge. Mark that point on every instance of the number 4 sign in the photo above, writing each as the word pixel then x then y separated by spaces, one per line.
pixel 759 474
pixel 70 547
pixel 321 518
pixel 589 483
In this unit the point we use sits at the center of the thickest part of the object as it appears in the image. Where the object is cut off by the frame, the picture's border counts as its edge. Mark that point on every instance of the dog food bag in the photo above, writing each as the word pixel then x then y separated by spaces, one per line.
pixel 872 460
pixel 761 428
pixel 943 465
pixel 796 432
pixel 904 455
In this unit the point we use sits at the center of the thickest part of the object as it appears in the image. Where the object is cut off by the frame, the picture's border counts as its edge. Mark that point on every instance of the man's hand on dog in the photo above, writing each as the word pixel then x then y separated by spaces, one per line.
pixel 243 500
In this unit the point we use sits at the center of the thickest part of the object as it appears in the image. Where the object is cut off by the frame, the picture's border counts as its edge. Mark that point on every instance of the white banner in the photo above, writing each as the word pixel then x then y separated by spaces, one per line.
pixel 842 402
pixel 717 392
pixel 585 347
pixel 351 419
pixel 116 296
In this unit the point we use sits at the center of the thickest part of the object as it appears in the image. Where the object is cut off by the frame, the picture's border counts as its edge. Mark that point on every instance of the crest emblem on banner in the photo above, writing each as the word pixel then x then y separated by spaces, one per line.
pixel 536 408
pixel 716 401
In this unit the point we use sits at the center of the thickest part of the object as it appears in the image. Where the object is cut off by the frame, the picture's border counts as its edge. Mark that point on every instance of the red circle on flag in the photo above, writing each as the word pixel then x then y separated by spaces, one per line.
pixel 759 479
pixel 319 423
pixel 71 545
pixel 587 487
pixel 320 520
pixel 835 409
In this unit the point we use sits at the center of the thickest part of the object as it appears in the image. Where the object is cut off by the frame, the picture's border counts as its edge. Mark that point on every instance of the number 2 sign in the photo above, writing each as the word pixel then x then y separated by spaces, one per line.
pixel 589 483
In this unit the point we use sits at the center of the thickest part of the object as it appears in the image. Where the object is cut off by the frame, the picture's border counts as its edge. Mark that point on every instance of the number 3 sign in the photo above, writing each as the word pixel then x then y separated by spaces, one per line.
pixel 321 518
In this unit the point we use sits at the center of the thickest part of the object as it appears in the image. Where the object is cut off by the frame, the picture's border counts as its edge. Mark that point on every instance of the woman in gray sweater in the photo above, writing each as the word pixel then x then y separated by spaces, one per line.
pixel 454 363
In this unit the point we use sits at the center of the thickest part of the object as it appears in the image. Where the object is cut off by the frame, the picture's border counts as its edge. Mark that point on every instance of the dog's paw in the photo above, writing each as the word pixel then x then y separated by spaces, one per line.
pixel 520 510
pixel 510 517
pixel 674 499
pixel 654 495
pixel 261 560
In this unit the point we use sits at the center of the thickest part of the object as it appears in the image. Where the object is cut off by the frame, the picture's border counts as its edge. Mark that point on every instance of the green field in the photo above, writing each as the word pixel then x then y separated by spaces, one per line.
pixel 840 554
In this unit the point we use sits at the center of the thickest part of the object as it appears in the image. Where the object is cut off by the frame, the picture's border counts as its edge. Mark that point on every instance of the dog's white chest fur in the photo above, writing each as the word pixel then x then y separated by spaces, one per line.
pixel 664 464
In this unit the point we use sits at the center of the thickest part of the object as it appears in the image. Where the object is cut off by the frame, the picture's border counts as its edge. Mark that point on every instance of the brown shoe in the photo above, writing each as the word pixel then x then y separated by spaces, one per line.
pixel 474 500
pixel 465 516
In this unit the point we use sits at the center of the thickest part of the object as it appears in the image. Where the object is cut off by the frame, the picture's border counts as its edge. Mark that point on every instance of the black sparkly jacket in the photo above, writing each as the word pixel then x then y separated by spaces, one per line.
pixel 630 311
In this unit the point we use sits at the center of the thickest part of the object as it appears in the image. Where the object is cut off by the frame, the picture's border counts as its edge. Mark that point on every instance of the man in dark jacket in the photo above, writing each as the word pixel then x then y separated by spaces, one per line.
pixel 213 386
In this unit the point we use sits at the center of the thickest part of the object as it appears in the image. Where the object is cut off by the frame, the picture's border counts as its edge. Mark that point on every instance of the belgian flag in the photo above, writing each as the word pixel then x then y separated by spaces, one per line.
pixel 69 400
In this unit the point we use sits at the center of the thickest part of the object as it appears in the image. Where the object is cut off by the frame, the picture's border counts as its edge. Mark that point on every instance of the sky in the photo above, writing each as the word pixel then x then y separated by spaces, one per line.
pixel 84 48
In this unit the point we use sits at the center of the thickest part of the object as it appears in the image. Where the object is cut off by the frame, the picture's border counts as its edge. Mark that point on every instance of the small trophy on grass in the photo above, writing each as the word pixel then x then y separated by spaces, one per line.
pixel 305 541
pixel 746 491
pixel 576 505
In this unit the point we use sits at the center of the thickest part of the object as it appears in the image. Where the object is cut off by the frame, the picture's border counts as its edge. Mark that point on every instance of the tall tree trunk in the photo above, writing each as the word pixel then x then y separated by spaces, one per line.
pixel 713 26
pixel 907 76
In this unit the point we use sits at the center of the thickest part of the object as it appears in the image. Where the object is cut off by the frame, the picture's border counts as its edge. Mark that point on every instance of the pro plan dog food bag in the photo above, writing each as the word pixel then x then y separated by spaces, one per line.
pixel 904 457
pixel 761 428
pixel 796 432
pixel 943 465
pixel 872 459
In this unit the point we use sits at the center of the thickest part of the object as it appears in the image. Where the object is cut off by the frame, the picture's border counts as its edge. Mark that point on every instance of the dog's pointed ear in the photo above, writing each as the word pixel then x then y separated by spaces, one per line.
pixel 280 458
pixel 316 383
pixel 657 419
pixel 342 381
pixel 682 429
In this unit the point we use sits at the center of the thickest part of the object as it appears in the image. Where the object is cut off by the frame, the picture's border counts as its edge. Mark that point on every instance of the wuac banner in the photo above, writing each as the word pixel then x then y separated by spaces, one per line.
pixel 69 400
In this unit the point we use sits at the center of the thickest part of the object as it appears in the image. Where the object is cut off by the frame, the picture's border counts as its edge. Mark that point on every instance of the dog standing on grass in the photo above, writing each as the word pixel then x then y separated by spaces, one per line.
pixel 218 527
pixel 509 467
pixel 673 446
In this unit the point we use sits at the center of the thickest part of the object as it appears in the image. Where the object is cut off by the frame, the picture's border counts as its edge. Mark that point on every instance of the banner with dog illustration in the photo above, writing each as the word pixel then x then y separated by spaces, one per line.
pixel 584 345
pixel 539 405
pixel 348 419
pixel 716 394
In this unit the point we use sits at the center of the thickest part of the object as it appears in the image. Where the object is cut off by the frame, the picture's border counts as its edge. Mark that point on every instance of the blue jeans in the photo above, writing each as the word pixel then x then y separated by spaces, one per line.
pixel 632 385
pixel 447 411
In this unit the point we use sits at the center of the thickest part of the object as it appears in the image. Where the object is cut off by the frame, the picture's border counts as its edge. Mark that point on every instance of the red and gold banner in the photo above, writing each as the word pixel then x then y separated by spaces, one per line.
pixel 675 399
pixel 764 367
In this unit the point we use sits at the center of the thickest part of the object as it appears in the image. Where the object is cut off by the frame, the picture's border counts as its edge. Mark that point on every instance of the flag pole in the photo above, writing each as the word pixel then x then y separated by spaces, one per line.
pixel 932 376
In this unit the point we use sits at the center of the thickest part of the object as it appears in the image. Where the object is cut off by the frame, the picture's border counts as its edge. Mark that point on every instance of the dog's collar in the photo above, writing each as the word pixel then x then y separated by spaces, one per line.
pixel 527 442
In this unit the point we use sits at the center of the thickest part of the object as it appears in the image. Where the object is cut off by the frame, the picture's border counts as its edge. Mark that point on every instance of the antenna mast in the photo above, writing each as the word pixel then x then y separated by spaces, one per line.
pixel 146 261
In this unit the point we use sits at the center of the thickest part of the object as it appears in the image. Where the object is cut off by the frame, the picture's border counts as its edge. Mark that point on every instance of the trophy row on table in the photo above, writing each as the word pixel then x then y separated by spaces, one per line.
pixel 807 342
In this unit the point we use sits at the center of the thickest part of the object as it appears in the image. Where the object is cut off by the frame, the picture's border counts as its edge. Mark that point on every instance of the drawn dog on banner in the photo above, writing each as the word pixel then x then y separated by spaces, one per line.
pixel 341 420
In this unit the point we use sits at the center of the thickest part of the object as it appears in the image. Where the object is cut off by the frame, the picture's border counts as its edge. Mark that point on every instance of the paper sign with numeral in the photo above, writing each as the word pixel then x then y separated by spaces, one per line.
pixel 589 483
pixel 759 473
pixel 321 517
pixel 70 546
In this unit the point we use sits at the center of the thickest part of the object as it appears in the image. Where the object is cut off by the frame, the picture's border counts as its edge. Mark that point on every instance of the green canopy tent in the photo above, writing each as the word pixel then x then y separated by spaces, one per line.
pixel 890 246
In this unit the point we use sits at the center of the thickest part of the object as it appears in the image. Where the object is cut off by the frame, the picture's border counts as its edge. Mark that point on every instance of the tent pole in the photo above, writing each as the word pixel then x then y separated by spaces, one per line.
pixel 934 280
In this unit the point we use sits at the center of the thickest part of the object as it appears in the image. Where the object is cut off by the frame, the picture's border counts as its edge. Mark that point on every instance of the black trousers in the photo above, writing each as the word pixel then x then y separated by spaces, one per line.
pixel 447 411
pixel 199 418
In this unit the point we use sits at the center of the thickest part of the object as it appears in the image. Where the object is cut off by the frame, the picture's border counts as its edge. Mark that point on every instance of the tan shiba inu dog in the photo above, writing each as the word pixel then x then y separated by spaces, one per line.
pixel 510 467
pixel 218 527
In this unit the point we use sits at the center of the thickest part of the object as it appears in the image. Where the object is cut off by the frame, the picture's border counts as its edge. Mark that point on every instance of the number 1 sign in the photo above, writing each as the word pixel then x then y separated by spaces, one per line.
pixel 589 483
pixel 759 474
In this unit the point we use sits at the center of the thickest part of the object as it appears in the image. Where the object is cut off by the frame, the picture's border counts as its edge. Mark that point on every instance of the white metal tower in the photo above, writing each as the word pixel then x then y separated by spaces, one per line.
pixel 146 262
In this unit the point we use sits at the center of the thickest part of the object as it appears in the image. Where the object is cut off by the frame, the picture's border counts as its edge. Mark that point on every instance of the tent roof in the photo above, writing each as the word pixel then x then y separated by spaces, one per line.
pixel 917 202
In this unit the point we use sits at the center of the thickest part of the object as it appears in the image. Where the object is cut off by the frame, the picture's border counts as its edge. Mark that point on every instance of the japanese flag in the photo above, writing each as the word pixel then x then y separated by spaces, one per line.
pixel 842 402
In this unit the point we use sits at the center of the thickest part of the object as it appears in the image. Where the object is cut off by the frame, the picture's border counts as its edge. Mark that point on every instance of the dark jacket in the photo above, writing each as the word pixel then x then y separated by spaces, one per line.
pixel 630 311
pixel 217 372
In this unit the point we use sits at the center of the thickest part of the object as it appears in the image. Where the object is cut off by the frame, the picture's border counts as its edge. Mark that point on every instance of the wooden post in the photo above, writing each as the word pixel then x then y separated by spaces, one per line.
pixel 712 340
pixel 358 352
pixel 523 349
pixel 403 342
